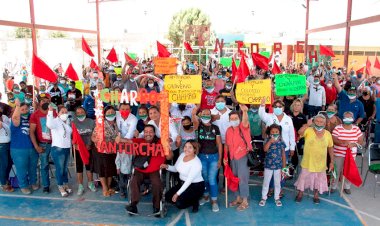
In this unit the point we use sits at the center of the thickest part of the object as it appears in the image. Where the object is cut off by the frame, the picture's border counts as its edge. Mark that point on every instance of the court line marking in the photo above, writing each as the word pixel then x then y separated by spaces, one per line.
pixel 176 219
pixel 44 220
pixel 187 217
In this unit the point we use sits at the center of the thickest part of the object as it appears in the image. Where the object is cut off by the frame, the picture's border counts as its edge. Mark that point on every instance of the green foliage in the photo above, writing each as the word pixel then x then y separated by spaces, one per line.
pixel 180 23
pixel 57 34
pixel 22 32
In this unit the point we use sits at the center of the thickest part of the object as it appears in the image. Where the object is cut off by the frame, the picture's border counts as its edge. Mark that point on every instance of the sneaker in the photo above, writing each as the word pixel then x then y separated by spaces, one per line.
pixel 215 207
pixel 278 202
pixel 132 209
pixel 156 212
pixel 91 186
pixel 62 191
pixel 204 201
pixel 67 188
pixel 46 190
pixel 347 191
pixel 26 191
pixel 262 202
pixel 35 187
pixel 80 190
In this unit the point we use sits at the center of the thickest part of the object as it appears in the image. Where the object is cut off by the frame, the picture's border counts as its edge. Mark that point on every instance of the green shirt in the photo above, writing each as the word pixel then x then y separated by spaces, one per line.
pixel 254 123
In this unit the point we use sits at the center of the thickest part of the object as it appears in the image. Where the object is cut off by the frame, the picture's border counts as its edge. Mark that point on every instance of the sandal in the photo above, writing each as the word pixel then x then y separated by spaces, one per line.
pixel 111 191
pixel 7 188
pixel 106 194
pixel 262 202
pixel 235 203
pixel 243 206
pixel 299 198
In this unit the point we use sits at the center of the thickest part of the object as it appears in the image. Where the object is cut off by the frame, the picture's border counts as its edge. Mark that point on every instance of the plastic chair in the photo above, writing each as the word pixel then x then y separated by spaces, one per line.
pixel 373 163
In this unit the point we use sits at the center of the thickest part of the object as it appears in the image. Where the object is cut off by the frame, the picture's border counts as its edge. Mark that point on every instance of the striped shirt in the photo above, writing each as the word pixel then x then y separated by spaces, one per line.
pixel 352 136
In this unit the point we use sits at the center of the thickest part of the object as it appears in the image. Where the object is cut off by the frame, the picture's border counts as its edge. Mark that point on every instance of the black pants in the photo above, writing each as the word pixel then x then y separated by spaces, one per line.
pixel 79 162
pixel 190 197
pixel 123 183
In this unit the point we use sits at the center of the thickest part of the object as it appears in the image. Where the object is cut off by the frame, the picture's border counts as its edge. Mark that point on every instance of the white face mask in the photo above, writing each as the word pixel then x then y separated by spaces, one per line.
pixel 378 82
pixel 64 117
pixel 329 85
pixel 150 85
pixel 235 123
pixel 62 81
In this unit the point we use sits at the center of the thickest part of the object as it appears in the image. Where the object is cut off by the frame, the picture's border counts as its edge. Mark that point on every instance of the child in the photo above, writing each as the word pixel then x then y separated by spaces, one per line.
pixel 123 163
pixel 275 160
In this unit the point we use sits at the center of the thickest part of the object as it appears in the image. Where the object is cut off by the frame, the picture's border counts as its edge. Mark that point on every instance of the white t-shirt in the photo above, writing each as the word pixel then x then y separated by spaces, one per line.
pixel 60 131
pixel 126 127
pixel 223 123
pixel 189 172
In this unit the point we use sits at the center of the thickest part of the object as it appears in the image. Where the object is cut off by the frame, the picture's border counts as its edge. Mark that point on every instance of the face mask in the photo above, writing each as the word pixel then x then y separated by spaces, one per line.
pixel 150 85
pixel 378 82
pixel 275 136
pixel 62 82
pixel 235 123
pixel 205 119
pixel 187 127
pixel 25 116
pixel 348 121
pixel 277 111
pixel 124 113
pixel 42 92
pixel 70 87
pixel 28 100
pixel 209 89
pixel 228 87
pixel 330 114
pixel 351 96
pixel 360 76
pixel 110 117
pixel 316 82
pixel 64 117
pixel 45 106
pixel 132 79
pixel 220 105
pixel 81 118
pixel 319 128
pixel 329 85
pixel 182 107
pixel 143 117
pixel 220 76
pixel 16 90
pixel 254 110
pixel 118 79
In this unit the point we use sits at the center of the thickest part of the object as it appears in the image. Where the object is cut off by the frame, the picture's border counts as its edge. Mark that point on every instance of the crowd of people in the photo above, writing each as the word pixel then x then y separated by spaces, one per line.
pixel 315 128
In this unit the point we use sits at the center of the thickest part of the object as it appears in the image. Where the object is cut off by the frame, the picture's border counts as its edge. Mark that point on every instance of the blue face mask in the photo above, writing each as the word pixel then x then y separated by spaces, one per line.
pixel 277 111
pixel 220 105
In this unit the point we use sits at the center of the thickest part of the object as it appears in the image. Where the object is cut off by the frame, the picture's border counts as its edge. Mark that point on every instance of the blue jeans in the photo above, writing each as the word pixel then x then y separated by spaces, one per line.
pixel 25 161
pixel 61 160
pixel 210 173
pixel 5 163
pixel 44 159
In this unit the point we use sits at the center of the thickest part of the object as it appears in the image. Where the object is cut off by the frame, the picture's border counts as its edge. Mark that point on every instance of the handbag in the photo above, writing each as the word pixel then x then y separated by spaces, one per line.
pixel 253 160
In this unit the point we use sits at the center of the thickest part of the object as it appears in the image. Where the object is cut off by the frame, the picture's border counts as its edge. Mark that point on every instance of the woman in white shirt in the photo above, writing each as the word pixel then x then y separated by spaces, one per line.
pixel 191 187
pixel 60 147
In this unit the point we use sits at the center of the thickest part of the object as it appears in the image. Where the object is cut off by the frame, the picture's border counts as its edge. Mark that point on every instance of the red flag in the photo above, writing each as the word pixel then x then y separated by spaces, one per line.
pixel 162 51
pixel 269 106
pixel 377 64
pixel 276 70
pixel 270 57
pixel 361 70
pixel 350 171
pixel 86 48
pixel 130 60
pixel 239 45
pixel 260 60
pixel 243 70
pixel 324 50
pixel 71 73
pixel 232 180
pixel 77 139
pixel 368 67
pixel 188 47
pixel 42 70
pixel 234 71
pixel 93 65
pixel 112 57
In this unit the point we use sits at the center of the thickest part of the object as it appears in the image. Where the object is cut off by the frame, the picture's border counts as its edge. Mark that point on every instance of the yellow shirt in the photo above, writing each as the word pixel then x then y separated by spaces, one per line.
pixel 315 150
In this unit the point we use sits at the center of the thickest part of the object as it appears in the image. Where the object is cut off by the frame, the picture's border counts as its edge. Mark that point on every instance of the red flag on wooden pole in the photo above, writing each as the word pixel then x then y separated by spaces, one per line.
pixel 86 48
pixel 71 73
pixel 42 70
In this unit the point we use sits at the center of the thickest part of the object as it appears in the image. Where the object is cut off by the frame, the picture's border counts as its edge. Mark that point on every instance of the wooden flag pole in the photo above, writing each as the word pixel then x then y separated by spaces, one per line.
pixel 226 192
pixel 341 189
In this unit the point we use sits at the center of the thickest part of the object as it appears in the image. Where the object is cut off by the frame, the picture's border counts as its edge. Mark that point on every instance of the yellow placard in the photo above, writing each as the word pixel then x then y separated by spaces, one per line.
pixel 184 88
pixel 252 92
pixel 165 65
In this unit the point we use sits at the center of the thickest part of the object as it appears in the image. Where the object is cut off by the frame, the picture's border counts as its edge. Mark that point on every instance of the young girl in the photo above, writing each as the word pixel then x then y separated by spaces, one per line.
pixel 275 160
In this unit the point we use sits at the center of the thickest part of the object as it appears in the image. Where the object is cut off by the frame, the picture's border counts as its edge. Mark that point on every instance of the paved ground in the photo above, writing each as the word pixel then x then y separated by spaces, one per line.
pixel 93 209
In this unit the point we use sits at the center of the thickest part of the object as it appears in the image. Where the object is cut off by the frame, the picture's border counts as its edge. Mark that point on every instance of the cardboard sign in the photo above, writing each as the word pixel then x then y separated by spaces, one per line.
pixel 165 65
pixel 252 92
pixel 184 88
pixel 290 84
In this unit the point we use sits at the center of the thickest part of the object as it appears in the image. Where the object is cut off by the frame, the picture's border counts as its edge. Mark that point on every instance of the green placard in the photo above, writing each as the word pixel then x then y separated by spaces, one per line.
pixel 132 55
pixel 290 84
pixel 227 62
pixel 265 53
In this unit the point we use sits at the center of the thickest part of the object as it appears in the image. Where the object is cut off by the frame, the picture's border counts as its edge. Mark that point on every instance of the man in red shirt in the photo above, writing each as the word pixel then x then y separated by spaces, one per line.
pixel 151 171
pixel 331 93
pixel 208 95
pixel 41 137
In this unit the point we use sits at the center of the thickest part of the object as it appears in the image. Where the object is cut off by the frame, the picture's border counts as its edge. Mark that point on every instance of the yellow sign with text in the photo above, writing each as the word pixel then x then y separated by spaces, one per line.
pixel 184 89
pixel 252 92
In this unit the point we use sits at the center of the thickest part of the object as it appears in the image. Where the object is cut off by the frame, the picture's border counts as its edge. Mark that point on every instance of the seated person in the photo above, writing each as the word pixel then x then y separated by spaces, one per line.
pixel 191 187
pixel 150 171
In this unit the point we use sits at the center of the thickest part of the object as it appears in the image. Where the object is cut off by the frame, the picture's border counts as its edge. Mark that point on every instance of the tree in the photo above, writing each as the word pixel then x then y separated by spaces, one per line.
pixel 185 21
pixel 23 32
pixel 57 34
